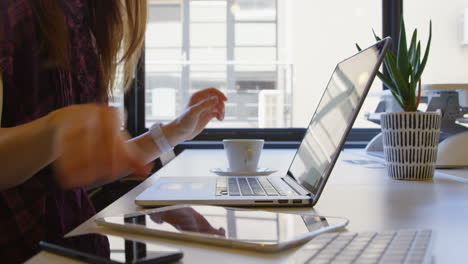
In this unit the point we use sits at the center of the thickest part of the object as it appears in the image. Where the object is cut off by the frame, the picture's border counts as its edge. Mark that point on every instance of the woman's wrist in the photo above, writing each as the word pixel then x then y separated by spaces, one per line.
pixel 173 133
pixel 52 124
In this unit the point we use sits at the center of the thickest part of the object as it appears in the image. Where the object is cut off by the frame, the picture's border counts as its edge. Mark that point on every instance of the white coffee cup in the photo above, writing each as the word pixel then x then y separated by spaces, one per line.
pixel 243 154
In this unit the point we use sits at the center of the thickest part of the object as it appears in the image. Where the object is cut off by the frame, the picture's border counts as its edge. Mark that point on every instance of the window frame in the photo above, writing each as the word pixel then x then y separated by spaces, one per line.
pixel 134 101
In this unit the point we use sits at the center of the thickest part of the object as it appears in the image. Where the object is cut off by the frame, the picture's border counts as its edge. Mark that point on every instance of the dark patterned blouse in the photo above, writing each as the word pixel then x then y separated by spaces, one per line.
pixel 37 209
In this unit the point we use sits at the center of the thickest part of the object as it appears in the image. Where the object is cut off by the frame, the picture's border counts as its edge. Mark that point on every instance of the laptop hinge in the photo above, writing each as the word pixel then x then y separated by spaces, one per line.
pixel 296 187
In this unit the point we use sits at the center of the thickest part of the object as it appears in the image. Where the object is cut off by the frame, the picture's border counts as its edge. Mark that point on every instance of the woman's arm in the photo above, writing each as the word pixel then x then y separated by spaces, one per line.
pixel 85 144
pixel 24 150
pixel 85 140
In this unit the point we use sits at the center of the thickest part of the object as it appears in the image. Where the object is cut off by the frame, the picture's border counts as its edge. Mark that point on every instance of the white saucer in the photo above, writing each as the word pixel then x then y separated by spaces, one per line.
pixel 228 172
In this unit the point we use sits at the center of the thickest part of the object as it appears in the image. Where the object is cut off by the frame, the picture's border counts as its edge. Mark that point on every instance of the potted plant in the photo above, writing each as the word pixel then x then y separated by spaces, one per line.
pixel 410 138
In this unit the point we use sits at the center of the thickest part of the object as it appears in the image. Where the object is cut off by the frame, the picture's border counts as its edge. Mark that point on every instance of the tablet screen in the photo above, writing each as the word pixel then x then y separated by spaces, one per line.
pixel 253 226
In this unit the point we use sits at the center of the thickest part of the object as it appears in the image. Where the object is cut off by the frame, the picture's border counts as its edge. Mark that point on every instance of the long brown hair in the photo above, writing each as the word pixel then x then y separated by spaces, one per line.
pixel 118 28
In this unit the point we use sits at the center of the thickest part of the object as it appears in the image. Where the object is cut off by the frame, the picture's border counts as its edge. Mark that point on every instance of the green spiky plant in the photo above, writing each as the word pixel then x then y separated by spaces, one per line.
pixel 405 69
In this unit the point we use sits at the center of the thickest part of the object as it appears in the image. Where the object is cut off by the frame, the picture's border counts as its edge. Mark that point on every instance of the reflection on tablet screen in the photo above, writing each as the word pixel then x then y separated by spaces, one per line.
pixel 247 225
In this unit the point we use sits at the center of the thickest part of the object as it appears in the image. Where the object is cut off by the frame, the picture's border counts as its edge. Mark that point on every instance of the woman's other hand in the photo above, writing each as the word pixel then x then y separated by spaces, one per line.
pixel 90 146
pixel 203 106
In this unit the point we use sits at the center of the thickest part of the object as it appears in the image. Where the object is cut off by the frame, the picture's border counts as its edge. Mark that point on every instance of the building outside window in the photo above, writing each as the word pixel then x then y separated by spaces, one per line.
pixel 272 58
pixel 230 45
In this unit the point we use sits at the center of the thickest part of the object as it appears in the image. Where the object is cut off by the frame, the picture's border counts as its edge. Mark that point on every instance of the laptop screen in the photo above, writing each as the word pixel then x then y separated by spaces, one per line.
pixel 333 118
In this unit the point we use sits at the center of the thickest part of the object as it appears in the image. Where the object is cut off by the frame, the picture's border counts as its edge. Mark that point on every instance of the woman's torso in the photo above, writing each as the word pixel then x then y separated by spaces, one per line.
pixel 38 209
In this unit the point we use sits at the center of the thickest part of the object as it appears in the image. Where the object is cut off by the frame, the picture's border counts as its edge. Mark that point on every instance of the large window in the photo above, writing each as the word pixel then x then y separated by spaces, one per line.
pixel 272 58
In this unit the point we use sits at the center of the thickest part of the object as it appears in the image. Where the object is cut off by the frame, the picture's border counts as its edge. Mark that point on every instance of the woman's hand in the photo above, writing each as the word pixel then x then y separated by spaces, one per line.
pixel 91 148
pixel 187 219
pixel 203 106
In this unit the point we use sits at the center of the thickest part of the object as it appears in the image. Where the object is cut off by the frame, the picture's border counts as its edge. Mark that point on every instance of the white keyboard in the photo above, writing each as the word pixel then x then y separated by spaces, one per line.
pixel 404 246
pixel 247 186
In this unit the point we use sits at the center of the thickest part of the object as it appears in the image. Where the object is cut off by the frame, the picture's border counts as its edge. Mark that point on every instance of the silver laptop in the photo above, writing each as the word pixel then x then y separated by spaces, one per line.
pixel 314 159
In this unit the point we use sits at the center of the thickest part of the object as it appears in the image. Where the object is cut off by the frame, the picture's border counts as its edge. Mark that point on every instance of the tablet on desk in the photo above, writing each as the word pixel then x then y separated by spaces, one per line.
pixel 230 227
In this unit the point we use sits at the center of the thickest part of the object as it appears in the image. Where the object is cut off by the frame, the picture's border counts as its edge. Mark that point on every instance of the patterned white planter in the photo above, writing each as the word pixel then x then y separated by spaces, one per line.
pixel 410 141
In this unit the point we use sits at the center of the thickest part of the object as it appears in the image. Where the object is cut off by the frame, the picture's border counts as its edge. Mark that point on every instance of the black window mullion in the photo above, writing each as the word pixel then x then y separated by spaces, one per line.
pixel 270 134
pixel 134 101
pixel 392 11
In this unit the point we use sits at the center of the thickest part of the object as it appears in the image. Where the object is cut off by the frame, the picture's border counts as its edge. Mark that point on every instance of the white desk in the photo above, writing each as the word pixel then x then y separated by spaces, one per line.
pixel 371 201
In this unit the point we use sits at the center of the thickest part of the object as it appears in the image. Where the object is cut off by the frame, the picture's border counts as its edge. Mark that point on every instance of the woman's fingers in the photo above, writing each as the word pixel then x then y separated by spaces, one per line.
pixel 218 111
pixel 214 92
pixel 205 105
pixel 220 108
pixel 205 93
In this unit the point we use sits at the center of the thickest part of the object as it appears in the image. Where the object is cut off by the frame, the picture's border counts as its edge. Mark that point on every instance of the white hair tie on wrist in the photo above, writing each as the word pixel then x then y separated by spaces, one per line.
pixel 159 138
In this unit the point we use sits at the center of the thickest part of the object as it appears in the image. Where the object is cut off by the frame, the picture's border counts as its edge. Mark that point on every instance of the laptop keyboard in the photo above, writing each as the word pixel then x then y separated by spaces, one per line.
pixel 404 246
pixel 247 186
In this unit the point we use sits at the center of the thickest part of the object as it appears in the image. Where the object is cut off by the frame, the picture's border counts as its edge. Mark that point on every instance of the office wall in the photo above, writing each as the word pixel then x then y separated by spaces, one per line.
pixel 321 33
pixel 448 61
